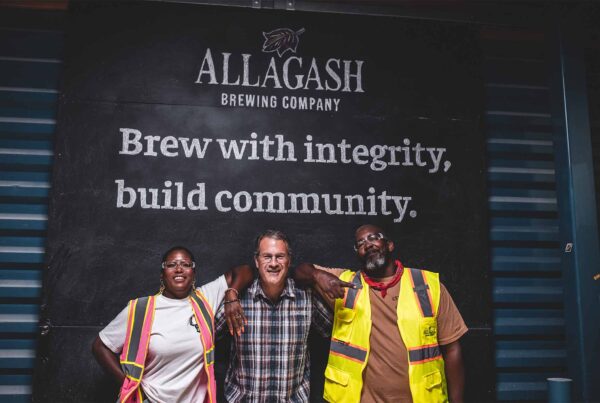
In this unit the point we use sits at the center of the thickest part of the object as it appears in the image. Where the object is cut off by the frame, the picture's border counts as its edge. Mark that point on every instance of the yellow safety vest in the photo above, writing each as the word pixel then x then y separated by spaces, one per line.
pixel 417 321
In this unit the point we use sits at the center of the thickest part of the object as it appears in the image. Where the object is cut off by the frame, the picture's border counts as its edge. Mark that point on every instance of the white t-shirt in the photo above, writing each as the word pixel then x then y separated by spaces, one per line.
pixel 175 361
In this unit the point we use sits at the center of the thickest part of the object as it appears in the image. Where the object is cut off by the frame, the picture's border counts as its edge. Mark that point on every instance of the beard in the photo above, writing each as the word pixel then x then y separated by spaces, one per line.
pixel 375 261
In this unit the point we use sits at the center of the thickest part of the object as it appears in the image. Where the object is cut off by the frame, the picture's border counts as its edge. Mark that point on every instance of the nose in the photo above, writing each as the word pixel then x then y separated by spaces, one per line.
pixel 369 245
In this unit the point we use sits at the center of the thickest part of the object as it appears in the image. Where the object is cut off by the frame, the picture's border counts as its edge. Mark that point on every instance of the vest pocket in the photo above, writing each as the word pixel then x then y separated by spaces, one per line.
pixel 432 380
pixel 344 322
pixel 336 375
pixel 345 315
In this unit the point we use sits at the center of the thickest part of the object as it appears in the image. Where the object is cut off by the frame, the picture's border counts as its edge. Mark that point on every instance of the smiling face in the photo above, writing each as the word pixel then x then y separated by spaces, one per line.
pixel 372 248
pixel 178 279
pixel 272 261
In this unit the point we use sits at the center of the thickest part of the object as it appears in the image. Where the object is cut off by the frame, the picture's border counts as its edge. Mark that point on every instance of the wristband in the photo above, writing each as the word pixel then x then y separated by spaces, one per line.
pixel 233 300
pixel 232 289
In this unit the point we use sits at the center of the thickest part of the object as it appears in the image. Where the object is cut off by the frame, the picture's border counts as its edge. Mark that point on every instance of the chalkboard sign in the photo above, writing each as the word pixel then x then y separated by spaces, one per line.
pixel 202 126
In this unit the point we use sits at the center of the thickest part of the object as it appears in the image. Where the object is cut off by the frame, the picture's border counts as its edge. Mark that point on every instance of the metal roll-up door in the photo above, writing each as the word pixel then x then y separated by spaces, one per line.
pixel 592 71
pixel 529 323
pixel 30 62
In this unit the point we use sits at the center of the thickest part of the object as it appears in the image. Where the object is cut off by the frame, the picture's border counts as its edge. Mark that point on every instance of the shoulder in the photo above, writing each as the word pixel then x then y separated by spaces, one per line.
pixel 425 272
pixel 428 276
pixel 140 300
pixel 346 274
pixel 214 287
pixel 333 270
pixel 297 290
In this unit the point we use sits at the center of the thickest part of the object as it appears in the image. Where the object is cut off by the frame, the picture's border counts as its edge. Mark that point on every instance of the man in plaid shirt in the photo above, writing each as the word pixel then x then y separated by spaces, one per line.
pixel 269 361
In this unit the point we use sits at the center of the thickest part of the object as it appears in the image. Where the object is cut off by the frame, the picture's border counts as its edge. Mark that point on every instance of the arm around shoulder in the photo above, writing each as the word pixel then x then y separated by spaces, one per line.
pixel 238 278
pixel 325 281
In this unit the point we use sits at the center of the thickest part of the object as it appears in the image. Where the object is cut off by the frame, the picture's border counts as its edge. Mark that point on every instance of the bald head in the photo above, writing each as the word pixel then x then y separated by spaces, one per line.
pixel 369 228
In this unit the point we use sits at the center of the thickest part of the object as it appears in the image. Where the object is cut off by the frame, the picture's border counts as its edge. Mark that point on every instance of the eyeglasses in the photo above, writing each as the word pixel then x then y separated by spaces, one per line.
pixel 182 263
pixel 369 238
pixel 269 258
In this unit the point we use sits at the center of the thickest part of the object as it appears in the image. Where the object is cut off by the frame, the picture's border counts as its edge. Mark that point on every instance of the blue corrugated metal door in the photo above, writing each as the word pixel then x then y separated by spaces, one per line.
pixel 527 285
pixel 30 61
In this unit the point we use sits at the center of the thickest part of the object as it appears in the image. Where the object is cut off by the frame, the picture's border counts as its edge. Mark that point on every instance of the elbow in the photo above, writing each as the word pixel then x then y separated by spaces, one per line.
pixel 305 270
pixel 240 276
pixel 96 347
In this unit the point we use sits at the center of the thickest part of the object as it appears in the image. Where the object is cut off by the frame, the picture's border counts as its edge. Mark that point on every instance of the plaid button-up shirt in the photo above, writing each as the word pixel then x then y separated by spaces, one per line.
pixel 269 362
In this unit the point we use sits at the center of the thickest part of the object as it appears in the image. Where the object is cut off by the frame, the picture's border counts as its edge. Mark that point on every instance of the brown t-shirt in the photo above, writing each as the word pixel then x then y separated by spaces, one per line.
pixel 386 375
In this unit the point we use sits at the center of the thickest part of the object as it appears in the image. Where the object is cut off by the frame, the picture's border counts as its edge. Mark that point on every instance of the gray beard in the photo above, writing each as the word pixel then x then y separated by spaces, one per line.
pixel 375 262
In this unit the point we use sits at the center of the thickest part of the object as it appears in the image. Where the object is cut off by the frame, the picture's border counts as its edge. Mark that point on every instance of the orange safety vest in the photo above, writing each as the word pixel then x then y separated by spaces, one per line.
pixel 137 338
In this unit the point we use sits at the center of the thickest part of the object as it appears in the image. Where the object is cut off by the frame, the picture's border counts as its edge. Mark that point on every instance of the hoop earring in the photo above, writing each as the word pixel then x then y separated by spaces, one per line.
pixel 162 287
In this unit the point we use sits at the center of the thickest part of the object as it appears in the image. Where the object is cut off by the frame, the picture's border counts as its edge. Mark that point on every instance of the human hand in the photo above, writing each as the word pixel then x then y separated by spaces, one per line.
pixel 330 284
pixel 234 313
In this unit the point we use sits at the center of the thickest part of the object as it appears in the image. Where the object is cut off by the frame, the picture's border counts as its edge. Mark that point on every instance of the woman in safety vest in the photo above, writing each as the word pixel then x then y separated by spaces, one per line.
pixel 160 348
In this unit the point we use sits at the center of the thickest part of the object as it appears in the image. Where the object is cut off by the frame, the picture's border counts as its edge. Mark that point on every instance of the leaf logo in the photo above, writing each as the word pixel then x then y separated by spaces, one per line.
pixel 281 40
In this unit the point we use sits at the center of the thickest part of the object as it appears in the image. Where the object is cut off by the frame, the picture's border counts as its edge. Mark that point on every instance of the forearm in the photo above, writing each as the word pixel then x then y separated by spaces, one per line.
pixel 324 281
pixel 305 275
pixel 239 277
pixel 455 375
pixel 108 360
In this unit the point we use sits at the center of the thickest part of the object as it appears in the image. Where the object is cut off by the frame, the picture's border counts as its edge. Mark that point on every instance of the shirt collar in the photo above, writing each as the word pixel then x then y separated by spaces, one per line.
pixel 255 290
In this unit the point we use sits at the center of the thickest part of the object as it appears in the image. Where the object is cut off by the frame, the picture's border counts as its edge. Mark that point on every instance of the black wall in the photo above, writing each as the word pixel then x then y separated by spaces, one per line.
pixel 137 67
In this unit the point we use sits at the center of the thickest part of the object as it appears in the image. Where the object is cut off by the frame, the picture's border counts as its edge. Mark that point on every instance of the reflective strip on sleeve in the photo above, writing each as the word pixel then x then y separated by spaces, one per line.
pixel 349 351
pixel 132 370
pixel 352 293
pixel 423 354
pixel 421 290
pixel 138 324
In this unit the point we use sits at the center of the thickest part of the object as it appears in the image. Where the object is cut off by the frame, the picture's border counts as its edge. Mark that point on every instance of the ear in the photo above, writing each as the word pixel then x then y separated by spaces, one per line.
pixel 390 246
pixel 256 261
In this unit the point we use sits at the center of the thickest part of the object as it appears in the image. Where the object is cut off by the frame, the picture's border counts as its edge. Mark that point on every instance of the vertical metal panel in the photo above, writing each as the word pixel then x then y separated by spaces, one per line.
pixel 578 211
pixel 528 289
pixel 29 68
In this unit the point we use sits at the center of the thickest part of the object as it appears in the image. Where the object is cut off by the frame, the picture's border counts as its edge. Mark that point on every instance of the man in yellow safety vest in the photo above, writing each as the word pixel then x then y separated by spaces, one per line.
pixel 396 330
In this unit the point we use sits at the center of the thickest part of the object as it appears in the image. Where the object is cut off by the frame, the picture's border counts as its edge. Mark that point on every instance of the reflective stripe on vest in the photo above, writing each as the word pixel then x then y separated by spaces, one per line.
pixel 207 315
pixel 353 293
pixel 347 350
pixel 132 370
pixel 422 293
pixel 205 320
pixel 132 367
pixel 210 356
pixel 133 357
pixel 418 355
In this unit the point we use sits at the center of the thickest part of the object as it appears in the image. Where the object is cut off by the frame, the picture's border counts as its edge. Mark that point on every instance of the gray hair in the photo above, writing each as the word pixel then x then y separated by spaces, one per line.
pixel 273 234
